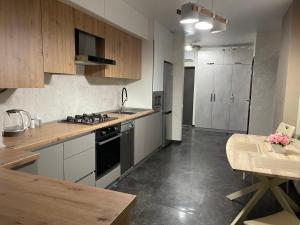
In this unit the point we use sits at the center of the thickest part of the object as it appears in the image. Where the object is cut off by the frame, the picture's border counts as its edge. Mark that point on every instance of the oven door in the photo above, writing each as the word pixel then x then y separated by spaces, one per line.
pixel 107 155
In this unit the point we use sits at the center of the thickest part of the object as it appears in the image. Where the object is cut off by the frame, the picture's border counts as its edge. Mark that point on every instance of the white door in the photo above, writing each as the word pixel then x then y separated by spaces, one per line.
pixel 204 81
pixel 240 95
pixel 243 56
pixel 221 97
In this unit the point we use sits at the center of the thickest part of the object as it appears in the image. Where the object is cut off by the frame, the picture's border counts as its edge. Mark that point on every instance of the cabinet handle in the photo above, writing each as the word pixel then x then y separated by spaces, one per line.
pixel 210 63
pixel 211 97
pixel 238 63
pixel 232 97
pixel 214 97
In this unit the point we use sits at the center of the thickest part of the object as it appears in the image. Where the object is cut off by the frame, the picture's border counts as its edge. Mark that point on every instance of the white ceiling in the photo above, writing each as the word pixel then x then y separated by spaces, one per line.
pixel 246 17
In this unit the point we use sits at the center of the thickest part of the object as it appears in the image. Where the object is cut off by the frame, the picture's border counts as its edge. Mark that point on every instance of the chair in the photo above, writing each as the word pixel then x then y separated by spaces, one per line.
pixel 282 218
pixel 286 129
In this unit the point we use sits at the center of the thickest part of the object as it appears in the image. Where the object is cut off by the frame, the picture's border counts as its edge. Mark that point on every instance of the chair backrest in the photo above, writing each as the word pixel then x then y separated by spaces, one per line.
pixel 286 129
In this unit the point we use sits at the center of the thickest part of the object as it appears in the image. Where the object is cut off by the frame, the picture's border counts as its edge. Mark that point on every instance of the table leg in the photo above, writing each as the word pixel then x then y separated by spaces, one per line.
pixel 294 205
pixel 249 206
pixel 282 200
pixel 244 191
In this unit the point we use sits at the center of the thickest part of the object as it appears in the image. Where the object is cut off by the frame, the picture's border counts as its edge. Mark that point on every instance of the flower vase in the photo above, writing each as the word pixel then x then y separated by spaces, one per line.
pixel 278 149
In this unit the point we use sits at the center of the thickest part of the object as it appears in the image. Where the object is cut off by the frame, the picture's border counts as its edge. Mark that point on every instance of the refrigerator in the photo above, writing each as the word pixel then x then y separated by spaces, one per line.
pixel 167 104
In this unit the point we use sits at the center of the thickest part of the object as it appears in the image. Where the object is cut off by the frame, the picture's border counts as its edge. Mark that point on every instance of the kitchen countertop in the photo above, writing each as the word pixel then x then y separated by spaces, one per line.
pixel 18 150
pixel 30 199
pixel 35 200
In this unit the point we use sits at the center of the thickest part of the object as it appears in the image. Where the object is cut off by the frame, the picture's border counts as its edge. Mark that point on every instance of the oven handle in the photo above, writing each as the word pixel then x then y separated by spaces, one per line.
pixel 111 139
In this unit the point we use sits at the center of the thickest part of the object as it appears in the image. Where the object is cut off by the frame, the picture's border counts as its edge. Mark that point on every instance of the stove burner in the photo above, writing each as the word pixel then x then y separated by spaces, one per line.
pixel 94 118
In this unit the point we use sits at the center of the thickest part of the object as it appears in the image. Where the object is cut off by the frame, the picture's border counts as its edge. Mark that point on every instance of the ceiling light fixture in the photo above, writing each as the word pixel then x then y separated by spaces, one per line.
pixel 188 48
pixel 219 25
pixel 203 18
pixel 188 14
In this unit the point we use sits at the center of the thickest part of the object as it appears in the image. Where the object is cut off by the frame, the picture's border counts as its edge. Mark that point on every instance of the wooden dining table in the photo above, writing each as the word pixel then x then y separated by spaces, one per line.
pixel 253 154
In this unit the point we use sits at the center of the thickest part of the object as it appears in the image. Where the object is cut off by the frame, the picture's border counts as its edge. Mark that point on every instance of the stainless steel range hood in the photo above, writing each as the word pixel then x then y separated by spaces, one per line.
pixel 93 60
pixel 90 50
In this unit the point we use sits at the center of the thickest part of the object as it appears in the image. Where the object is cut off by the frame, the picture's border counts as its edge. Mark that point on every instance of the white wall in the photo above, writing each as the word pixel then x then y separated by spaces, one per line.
pixel 116 12
pixel 64 95
pixel 178 83
pixel 264 82
pixel 163 51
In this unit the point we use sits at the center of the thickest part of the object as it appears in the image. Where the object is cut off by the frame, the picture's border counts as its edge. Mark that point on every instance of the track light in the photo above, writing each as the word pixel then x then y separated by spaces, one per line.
pixel 188 14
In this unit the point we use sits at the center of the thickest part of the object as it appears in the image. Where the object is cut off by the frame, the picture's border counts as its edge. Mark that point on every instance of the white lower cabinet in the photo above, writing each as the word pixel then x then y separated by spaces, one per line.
pixel 147 136
pixel 80 165
pixel 50 163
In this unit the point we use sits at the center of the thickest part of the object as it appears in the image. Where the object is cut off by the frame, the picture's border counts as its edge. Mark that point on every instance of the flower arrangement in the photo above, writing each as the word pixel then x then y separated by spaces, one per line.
pixel 279 139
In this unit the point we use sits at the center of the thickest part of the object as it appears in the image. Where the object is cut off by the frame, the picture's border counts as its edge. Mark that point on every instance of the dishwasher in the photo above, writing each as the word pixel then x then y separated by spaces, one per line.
pixel 127 146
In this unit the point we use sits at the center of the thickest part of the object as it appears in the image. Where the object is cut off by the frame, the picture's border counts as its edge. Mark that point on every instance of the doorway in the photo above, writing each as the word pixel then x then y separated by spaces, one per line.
pixel 188 96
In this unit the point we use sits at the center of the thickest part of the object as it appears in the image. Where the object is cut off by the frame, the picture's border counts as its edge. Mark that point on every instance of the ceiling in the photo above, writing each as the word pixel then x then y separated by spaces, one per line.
pixel 246 17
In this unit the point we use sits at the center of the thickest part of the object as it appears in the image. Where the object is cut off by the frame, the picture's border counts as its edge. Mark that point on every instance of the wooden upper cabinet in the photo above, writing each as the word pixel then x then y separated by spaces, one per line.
pixel 21 54
pixel 89 24
pixel 126 50
pixel 58 37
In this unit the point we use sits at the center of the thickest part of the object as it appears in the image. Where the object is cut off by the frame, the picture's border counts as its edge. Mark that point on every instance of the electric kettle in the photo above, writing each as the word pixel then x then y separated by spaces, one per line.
pixel 15 122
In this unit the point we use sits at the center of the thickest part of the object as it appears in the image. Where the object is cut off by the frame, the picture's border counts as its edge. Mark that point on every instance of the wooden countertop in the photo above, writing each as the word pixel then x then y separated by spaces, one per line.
pixel 18 149
pixel 33 200
pixel 252 154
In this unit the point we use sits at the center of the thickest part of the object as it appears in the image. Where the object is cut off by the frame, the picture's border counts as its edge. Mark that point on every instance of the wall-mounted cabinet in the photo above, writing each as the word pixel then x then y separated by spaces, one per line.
pixel 21 49
pixel 89 24
pixel 38 36
pixel 126 50
pixel 58 37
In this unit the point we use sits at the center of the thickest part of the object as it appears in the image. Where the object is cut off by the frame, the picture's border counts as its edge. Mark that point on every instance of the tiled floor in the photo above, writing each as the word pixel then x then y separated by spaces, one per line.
pixel 185 184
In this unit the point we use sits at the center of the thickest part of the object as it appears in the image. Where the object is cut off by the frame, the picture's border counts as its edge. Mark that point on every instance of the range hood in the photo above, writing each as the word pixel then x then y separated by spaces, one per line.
pixel 93 60
pixel 90 49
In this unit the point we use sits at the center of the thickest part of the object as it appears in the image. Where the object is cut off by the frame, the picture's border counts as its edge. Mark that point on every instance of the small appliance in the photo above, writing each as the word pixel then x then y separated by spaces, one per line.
pixel 15 122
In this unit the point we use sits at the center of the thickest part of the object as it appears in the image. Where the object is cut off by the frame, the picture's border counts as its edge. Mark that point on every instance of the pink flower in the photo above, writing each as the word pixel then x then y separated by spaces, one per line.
pixel 279 139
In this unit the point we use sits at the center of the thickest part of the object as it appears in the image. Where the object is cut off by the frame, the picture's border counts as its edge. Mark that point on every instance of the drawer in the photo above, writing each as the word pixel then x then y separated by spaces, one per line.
pixel 78 145
pixel 80 165
pixel 109 178
pixel 88 180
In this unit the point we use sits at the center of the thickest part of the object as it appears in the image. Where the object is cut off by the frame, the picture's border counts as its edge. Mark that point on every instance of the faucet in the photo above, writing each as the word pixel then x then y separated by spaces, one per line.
pixel 124 90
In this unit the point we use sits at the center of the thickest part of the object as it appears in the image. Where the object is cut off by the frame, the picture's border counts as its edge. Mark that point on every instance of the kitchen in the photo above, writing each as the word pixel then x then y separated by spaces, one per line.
pixel 93 97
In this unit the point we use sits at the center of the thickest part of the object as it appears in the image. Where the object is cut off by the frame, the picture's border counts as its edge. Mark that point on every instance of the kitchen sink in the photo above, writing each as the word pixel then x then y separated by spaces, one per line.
pixel 124 112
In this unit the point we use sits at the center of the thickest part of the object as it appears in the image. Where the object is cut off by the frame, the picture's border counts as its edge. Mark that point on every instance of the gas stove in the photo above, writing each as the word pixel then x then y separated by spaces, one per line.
pixel 90 119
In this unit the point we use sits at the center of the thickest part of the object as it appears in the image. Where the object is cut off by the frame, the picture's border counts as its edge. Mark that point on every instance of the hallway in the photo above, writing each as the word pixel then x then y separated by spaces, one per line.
pixel 186 184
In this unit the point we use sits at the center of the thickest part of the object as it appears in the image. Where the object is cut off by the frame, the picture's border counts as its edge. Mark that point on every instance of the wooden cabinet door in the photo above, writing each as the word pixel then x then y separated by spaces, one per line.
pixel 58 37
pixel 21 53
pixel 89 24
pixel 126 50
pixel 115 49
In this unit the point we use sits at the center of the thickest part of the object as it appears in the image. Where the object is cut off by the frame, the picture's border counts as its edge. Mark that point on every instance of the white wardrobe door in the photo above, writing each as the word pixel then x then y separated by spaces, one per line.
pixel 243 56
pixel 228 57
pixel 211 57
pixel 221 103
pixel 204 82
pixel 239 106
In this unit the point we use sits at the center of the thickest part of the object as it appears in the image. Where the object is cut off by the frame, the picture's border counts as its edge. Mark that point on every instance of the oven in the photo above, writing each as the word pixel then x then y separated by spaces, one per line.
pixel 107 149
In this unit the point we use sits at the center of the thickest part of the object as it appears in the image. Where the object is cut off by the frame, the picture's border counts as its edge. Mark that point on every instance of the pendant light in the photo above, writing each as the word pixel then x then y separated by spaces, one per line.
pixel 219 26
pixel 205 19
pixel 188 14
